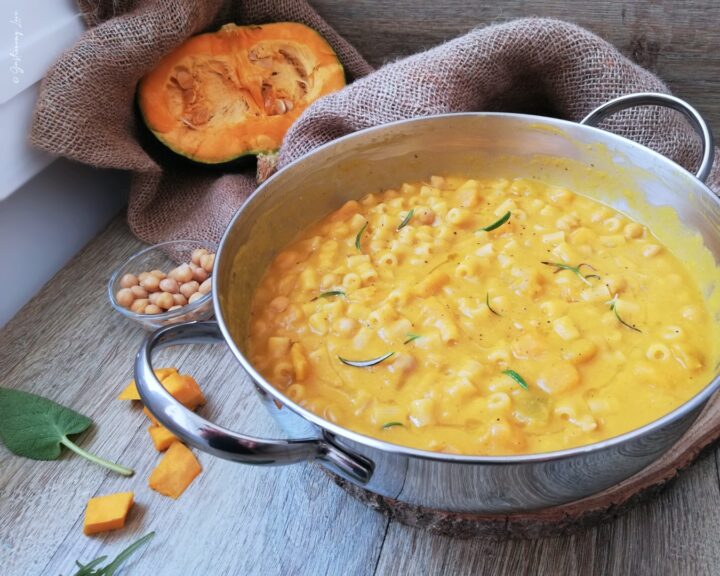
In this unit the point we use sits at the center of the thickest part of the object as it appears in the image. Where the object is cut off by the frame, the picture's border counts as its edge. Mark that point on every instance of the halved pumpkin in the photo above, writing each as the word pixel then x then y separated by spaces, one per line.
pixel 234 92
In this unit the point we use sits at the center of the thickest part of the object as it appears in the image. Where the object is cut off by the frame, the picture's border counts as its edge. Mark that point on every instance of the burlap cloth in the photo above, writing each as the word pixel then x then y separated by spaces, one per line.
pixel 85 110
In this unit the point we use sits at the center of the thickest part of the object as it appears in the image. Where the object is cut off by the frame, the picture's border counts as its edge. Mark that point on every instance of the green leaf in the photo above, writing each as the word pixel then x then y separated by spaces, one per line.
pixel 504 218
pixel 487 303
pixel 329 294
pixel 515 376
pixel 114 566
pixel 391 425
pixel 411 337
pixel 359 235
pixel 559 267
pixel 406 220
pixel 35 427
pixel 365 363
pixel 613 307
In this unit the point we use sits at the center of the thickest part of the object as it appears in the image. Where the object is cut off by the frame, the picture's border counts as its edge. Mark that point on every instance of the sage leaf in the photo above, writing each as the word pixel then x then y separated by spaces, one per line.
pixel 35 427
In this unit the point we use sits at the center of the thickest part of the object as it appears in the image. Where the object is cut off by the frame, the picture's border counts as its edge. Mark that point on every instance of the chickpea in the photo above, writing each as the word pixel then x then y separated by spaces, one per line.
pixel 165 300
pixel 150 283
pixel 159 274
pixel 182 273
pixel 139 292
pixel 142 276
pixel 207 261
pixel 139 305
pixel 153 297
pixel 125 297
pixel 189 288
pixel 197 254
pixel 195 296
pixel 199 274
pixel 169 285
pixel 152 309
pixel 128 281
pixel 179 300
pixel 206 286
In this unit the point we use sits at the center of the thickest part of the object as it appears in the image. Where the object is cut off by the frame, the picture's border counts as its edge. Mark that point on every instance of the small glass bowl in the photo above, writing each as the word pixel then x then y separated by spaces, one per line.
pixel 164 256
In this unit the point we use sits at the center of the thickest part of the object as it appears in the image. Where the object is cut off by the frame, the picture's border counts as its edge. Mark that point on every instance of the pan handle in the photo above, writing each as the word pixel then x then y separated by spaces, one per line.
pixel 222 442
pixel 666 101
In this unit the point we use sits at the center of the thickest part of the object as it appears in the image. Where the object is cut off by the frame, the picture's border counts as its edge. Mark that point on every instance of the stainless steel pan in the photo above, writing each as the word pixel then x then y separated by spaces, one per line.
pixel 588 159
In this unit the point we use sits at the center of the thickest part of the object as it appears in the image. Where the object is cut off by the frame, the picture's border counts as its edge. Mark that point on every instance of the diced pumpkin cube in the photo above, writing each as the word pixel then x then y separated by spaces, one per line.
pixel 151 417
pixel 109 512
pixel 177 469
pixel 185 390
pixel 162 437
pixel 130 392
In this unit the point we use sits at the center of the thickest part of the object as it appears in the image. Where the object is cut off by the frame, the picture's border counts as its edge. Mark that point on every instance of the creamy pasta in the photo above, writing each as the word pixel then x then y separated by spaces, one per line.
pixel 481 317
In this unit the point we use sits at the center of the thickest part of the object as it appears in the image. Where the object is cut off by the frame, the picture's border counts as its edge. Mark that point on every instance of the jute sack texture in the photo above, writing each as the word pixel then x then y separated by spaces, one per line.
pixel 86 111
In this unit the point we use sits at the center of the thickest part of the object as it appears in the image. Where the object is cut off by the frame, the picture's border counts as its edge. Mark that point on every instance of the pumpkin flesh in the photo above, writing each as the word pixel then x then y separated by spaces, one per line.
pixel 223 95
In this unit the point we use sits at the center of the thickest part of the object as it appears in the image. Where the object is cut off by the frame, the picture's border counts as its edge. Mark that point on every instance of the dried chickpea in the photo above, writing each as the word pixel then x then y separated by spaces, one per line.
pixel 165 300
pixel 197 254
pixel 152 309
pixel 182 273
pixel 169 285
pixel 150 283
pixel 128 281
pixel 199 274
pixel 207 262
pixel 189 288
pixel 159 274
pixel 125 297
pixel 153 297
pixel 179 300
pixel 139 305
pixel 139 292
pixel 142 276
pixel 195 296
pixel 206 286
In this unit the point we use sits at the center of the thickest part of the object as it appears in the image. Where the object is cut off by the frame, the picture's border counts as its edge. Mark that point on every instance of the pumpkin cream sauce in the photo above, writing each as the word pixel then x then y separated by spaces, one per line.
pixel 482 317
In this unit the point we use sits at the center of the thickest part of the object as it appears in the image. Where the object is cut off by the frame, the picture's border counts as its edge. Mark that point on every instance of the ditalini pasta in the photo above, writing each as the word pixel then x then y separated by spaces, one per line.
pixel 481 317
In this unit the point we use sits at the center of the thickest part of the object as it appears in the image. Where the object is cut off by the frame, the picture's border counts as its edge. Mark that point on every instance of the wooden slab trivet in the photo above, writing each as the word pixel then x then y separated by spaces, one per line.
pixel 563 519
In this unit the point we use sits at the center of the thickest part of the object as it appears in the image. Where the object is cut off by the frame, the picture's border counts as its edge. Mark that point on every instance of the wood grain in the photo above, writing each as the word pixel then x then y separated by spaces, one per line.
pixel 678 40
pixel 68 345
pixel 238 519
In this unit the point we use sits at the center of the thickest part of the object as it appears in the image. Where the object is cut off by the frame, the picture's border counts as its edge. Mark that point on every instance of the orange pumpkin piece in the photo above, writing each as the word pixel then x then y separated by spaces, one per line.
pixel 235 92
pixel 109 512
pixel 177 469
pixel 131 393
pixel 185 390
pixel 152 418
pixel 162 437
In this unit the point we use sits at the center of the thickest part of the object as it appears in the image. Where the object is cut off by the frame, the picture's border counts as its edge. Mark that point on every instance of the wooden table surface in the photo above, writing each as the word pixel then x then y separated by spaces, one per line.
pixel 69 345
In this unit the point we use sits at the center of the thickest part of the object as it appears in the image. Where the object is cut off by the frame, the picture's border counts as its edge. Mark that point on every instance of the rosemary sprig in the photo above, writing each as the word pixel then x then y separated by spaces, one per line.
pixel 391 425
pixel 487 303
pixel 359 235
pixel 613 307
pixel 575 269
pixel 92 569
pixel 515 376
pixel 328 294
pixel 411 337
pixel 365 363
pixel 406 220
pixel 504 218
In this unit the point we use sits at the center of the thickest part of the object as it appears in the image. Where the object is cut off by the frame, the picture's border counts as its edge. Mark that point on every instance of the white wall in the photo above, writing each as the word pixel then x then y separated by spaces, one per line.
pixel 49 209
pixel 47 221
